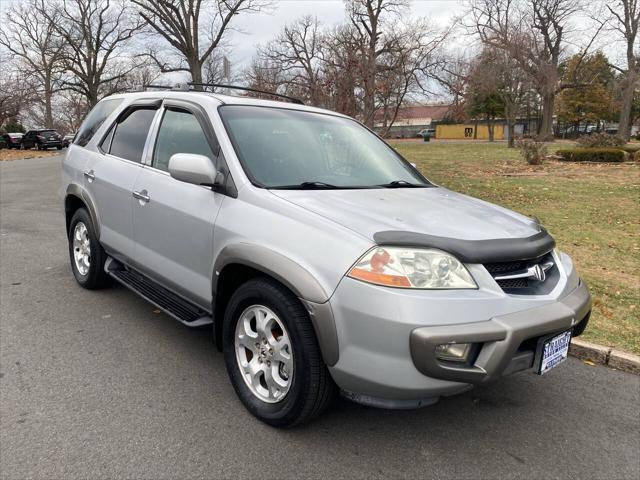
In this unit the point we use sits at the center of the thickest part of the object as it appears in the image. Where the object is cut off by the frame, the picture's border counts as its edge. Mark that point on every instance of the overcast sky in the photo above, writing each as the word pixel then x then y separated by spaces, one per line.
pixel 262 27
pixel 256 29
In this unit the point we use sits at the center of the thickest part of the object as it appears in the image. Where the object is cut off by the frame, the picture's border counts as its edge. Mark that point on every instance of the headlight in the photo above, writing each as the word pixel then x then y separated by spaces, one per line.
pixel 412 268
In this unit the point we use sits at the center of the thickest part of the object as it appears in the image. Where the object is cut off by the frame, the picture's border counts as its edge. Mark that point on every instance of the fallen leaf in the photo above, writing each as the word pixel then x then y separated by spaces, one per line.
pixel 590 363
pixel 157 311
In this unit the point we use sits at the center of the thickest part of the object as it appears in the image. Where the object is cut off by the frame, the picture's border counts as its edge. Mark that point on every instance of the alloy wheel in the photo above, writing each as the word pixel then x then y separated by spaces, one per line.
pixel 264 353
pixel 81 248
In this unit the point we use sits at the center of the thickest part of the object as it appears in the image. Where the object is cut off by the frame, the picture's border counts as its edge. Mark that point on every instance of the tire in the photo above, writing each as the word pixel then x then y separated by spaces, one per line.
pixel 310 386
pixel 59 148
pixel 91 276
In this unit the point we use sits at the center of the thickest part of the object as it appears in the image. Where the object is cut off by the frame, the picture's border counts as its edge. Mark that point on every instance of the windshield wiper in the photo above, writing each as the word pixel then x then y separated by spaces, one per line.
pixel 308 186
pixel 402 184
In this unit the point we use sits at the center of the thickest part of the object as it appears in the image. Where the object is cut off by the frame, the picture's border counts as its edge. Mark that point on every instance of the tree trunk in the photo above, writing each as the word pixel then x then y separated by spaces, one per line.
pixel 369 95
pixel 92 96
pixel 490 129
pixel 546 126
pixel 195 67
pixel 48 113
pixel 624 123
pixel 511 127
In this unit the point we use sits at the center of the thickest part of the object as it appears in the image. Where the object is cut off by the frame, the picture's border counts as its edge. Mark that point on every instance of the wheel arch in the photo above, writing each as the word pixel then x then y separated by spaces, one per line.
pixel 76 197
pixel 239 263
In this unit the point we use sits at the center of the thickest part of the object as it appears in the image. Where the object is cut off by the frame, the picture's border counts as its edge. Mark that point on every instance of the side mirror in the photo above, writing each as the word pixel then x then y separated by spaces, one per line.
pixel 196 169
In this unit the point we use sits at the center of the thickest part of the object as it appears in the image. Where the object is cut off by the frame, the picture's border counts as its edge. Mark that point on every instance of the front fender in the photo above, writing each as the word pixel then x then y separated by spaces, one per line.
pixel 295 277
pixel 275 264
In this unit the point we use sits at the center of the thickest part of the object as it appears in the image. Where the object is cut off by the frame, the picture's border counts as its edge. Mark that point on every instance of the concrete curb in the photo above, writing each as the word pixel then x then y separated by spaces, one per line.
pixel 623 361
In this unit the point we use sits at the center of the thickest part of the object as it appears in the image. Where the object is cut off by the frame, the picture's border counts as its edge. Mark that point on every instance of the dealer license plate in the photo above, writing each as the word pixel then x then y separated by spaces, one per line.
pixel 554 352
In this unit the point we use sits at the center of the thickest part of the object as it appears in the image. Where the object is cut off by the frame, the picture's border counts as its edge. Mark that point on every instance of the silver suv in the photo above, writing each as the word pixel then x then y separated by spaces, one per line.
pixel 322 259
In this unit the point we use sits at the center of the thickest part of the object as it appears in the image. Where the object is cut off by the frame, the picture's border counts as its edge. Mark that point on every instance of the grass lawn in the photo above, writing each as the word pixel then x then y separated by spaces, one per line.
pixel 592 210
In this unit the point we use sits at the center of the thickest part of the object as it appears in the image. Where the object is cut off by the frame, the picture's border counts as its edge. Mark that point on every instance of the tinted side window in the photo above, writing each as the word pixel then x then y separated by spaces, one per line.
pixel 131 134
pixel 180 132
pixel 94 120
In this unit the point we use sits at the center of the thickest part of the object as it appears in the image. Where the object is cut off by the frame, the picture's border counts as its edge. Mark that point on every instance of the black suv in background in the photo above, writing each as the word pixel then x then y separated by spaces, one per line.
pixel 41 139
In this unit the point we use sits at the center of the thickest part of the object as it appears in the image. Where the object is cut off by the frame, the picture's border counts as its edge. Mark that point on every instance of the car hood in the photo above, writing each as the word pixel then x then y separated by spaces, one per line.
pixel 433 211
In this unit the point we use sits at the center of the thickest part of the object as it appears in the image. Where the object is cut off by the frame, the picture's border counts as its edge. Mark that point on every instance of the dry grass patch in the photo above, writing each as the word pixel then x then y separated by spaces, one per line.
pixel 7 155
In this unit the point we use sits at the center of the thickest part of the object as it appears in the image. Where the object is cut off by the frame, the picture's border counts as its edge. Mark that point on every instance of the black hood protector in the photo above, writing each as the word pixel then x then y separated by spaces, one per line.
pixel 473 251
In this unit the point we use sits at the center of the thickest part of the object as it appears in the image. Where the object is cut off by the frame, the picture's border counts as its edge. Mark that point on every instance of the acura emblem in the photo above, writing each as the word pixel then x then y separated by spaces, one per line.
pixel 538 273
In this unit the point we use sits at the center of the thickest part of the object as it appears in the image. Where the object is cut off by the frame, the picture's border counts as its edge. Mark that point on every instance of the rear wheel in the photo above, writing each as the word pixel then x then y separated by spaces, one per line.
pixel 85 252
pixel 272 355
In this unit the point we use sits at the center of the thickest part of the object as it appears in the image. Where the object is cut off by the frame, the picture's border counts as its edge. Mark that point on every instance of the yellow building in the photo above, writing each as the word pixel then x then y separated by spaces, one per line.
pixel 467 132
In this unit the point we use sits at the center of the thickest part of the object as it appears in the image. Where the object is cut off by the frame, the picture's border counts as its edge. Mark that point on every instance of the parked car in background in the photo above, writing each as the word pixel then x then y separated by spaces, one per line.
pixel 430 132
pixel 41 139
pixel 12 140
pixel 67 139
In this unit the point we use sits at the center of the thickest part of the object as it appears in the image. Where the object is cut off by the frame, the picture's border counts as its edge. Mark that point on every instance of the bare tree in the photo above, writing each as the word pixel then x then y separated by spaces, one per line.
pixel 96 34
pixel 509 82
pixel 453 76
pixel 30 36
pixel 342 70
pixel 535 33
pixel 298 52
pixel 625 19
pixel 71 109
pixel 414 51
pixel 369 18
pixel 15 93
pixel 194 28
pixel 263 75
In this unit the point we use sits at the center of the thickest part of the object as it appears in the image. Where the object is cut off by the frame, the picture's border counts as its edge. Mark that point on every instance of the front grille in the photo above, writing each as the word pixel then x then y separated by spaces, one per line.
pixel 524 286
pixel 505 267
pixel 513 283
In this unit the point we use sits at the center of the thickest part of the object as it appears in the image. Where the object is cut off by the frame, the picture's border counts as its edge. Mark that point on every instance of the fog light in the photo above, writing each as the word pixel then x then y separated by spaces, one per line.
pixel 453 352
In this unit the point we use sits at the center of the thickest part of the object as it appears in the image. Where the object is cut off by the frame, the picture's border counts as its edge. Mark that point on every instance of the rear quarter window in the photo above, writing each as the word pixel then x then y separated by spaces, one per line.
pixel 95 119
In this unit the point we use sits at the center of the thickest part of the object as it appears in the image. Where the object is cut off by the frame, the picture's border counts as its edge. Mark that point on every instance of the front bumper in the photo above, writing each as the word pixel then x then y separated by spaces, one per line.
pixel 51 144
pixel 507 342
pixel 387 337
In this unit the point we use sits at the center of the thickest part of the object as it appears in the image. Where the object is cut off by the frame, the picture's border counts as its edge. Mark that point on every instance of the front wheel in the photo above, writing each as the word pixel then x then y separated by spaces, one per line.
pixel 272 355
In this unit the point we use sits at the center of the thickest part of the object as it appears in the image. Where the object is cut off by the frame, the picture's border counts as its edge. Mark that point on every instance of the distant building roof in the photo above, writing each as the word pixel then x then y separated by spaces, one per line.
pixel 416 115
pixel 434 112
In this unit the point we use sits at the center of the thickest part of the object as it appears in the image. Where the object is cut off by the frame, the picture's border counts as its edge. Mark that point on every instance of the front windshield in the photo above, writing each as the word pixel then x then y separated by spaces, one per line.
pixel 281 148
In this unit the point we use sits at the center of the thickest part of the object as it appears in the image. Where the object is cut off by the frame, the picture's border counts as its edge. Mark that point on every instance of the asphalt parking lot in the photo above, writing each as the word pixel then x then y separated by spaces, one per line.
pixel 97 385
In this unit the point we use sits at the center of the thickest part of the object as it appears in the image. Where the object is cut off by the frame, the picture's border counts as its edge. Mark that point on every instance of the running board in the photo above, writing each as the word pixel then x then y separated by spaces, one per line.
pixel 170 303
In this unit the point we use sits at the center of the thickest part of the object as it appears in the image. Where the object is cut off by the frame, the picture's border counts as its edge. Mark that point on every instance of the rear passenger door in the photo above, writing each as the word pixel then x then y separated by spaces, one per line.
pixel 109 177
pixel 173 220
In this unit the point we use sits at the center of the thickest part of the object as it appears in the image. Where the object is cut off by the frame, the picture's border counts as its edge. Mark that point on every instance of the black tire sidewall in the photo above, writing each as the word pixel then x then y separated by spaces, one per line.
pixel 93 276
pixel 259 292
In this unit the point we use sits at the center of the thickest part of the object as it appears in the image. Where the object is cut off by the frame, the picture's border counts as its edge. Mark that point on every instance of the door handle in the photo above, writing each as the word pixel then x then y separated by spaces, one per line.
pixel 90 175
pixel 142 196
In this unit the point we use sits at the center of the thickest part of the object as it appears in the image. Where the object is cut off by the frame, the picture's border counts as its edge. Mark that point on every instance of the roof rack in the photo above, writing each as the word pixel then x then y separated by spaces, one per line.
pixel 189 87
pixel 247 89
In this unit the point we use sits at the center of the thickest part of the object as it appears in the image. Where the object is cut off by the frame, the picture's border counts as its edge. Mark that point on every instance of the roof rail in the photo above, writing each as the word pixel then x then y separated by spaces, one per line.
pixel 188 87
pixel 247 89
